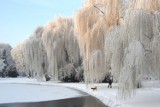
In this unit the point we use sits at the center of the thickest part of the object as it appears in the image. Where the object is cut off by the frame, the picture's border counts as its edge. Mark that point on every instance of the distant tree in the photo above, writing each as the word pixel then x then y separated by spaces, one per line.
pixel 2 67
pixel 11 71
pixel 67 73
pixel 18 57
pixel 4 63
pixel 7 65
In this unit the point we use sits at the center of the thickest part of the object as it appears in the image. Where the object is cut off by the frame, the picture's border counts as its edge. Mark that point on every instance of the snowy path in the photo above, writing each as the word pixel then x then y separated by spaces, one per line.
pixel 148 96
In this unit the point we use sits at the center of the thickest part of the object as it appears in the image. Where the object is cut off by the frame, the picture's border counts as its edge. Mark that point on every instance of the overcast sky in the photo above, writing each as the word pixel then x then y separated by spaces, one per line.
pixel 19 18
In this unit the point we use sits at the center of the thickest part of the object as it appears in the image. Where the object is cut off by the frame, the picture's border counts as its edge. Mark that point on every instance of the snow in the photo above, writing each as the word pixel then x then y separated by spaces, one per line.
pixel 145 98
pixel 148 96
pixel 28 90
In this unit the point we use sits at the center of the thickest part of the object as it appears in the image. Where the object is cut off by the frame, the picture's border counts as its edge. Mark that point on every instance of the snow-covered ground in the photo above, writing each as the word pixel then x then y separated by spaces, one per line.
pixel 13 90
pixel 148 96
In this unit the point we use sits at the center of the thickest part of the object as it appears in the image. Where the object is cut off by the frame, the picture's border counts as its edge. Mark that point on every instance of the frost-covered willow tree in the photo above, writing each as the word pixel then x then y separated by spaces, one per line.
pixel 61 45
pixel 92 22
pixel 35 55
pixel 134 45
pixel 18 57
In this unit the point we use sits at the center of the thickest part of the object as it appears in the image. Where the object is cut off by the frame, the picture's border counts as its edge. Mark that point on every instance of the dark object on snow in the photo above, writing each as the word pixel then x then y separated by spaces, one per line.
pixel 94 88
pixel 47 77
pixel 139 85
pixel 110 82
pixel 108 79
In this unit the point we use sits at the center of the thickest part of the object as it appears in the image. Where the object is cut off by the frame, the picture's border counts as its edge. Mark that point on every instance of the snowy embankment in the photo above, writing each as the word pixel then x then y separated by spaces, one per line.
pixel 148 96
pixel 29 90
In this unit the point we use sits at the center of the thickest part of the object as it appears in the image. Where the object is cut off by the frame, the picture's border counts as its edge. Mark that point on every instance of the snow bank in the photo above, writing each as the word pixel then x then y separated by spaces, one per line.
pixel 30 92
pixel 148 96
pixel 107 95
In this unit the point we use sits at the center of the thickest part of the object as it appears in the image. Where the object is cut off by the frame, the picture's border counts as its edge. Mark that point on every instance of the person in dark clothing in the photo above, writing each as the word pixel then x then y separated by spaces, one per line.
pixel 47 77
pixel 110 81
